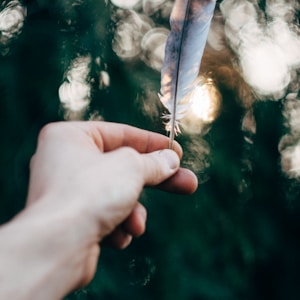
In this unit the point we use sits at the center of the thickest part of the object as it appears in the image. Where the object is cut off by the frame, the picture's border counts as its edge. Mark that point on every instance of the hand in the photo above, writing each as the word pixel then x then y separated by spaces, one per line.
pixel 85 181
pixel 103 160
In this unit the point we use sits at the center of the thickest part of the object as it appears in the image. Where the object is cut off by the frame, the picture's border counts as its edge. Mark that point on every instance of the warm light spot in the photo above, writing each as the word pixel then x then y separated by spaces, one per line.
pixel 205 107
pixel 202 104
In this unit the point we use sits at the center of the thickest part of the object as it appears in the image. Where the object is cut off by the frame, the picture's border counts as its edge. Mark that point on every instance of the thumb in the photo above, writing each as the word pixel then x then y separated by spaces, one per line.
pixel 159 166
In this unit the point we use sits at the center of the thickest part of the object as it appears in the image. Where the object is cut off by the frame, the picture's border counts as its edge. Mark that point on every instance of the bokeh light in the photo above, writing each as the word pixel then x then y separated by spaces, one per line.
pixel 126 4
pixel 242 223
pixel 268 51
pixel 129 33
pixel 75 91
pixel 204 109
pixel 12 17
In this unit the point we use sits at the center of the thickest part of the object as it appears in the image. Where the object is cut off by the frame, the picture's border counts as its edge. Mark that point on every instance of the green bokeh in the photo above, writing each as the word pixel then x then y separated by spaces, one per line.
pixel 237 237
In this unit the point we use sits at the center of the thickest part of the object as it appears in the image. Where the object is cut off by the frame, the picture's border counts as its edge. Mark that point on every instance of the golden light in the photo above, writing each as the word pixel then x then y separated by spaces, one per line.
pixel 205 107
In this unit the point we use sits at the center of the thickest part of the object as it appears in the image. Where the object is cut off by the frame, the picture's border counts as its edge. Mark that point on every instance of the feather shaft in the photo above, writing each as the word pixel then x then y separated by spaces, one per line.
pixel 190 22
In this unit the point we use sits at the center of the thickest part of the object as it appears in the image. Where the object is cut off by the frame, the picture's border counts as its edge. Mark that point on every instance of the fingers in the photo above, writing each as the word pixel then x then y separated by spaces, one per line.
pixel 133 226
pixel 110 136
pixel 158 166
pixel 119 239
pixel 162 170
pixel 182 182
pixel 115 135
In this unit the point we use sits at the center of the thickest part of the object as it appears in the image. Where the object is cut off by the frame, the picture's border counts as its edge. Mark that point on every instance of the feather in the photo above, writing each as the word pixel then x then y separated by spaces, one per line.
pixel 190 22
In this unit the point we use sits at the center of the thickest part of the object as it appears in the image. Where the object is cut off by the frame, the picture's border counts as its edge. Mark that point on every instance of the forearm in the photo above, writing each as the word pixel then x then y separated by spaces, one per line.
pixel 36 256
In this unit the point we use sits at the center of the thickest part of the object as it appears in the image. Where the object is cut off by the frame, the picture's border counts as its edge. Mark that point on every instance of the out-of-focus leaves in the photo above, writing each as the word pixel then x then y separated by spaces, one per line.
pixel 237 237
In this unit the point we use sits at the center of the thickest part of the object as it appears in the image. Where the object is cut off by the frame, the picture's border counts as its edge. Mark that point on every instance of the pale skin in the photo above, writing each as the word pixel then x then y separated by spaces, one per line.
pixel 85 183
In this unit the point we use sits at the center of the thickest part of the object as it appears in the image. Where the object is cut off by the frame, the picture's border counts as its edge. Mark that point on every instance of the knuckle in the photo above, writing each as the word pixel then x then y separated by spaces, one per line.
pixel 130 153
pixel 132 156
pixel 52 129
pixel 47 130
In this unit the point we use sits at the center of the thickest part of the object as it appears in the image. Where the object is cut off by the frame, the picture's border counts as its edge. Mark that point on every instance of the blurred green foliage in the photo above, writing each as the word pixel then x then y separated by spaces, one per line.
pixel 237 237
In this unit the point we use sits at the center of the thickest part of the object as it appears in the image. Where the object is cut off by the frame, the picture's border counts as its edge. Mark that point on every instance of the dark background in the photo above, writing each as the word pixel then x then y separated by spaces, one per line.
pixel 237 237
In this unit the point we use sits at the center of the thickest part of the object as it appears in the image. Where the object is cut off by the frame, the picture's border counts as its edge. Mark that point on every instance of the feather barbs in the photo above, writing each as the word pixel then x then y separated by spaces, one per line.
pixel 189 22
pixel 185 104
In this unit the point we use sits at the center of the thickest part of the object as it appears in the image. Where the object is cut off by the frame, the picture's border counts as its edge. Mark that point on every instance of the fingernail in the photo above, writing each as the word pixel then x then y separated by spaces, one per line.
pixel 171 158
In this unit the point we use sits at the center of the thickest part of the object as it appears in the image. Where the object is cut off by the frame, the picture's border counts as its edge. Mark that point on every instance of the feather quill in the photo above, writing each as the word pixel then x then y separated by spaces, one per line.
pixel 190 22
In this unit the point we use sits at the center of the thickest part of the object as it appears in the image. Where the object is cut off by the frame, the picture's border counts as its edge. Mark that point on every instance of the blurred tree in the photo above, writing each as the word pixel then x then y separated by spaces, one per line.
pixel 237 237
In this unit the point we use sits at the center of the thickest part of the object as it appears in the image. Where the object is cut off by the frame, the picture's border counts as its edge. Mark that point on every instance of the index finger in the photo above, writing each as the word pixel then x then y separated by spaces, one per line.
pixel 110 136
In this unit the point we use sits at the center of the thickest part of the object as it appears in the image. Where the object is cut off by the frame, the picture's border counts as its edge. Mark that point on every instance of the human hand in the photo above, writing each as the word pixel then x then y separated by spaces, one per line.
pixel 91 159
pixel 87 177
